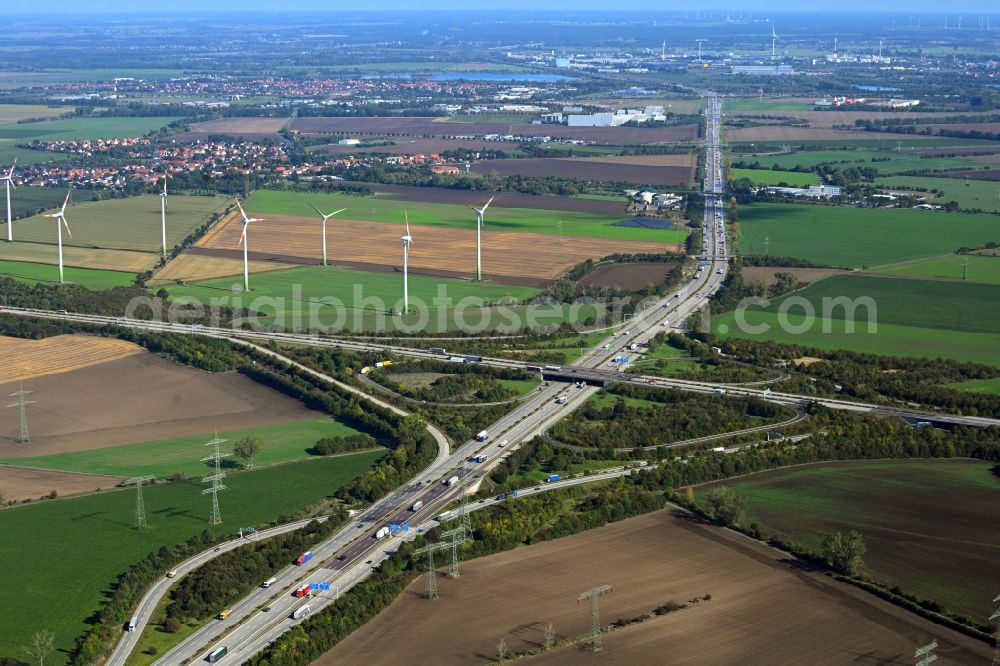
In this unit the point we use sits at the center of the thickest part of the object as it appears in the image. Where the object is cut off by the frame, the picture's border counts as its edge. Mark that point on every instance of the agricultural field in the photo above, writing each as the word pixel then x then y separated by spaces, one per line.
pixel 970 194
pixel 986 386
pixel 676 171
pixel 418 147
pixel 923 318
pixel 794 133
pixel 425 127
pixel 32 273
pixel 21 483
pixel 982 269
pixel 500 217
pixel 140 397
pixel 246 128
pixel 633 277
pixel 123 224
pixel 887 162
pixel 97 529
pixel 14 113
pixel 770 105
pixel 282 442
pixel 768 177
pixel 26 359
pixel 83 128
pixel 859 237
pixel 768 274
pixel 26 200
pixel 761 602
pixel 929 524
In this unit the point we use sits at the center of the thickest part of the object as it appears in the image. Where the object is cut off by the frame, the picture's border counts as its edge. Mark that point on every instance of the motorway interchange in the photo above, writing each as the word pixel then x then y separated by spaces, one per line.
pixel 353 552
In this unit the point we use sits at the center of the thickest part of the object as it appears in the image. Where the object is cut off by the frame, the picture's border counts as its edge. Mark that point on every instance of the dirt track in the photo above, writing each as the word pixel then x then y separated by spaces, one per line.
pixel 762 611
pixel 21 484
pixel 436 250
pixel 134 399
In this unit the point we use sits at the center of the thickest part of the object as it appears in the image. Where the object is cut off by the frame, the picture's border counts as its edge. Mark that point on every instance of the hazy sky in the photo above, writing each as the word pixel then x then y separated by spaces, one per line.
pixel 909 6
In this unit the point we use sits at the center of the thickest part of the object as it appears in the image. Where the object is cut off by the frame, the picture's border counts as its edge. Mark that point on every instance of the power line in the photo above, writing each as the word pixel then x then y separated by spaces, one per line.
pixel 22 405
pixel 216 478
pixel 594 635
pixel 996 616
pixel 140 508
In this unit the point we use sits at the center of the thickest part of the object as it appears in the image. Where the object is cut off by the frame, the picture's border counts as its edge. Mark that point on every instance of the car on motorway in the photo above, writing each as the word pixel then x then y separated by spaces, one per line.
pixel 368 562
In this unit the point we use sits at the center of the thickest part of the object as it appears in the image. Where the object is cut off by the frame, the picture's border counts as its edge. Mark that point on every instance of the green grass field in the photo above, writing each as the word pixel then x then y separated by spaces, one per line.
pixel 859 237
pixel 59 558
pixel 768 177
pixel 970 194
pixel 982 269
pixel 898 161
pixel 283 442
pixel 12 113
pixel 83 128
pixel 455 216
pixel 49 274
pixel 929 524
pixel 987 386
pixel 767 105
pixel 124 224
pixel 914 318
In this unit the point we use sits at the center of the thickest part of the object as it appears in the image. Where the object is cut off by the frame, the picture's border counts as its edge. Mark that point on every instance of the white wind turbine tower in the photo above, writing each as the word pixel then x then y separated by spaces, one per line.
pixel 8 181
pixel 163 215
pixel 774 38
pixel 480 216
pixel 407 242
pixel 243 242
pixel 60 218
pixel 325 218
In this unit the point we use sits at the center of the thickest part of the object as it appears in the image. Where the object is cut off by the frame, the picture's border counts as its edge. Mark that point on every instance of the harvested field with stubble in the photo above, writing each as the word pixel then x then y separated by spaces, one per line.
pixel 21 484
pixel 597 169
pixel 191 266
pixel 632 277
pixel 436 250
pixel 138 398
pixel 27 359
pixel 428 127
pixel 763 609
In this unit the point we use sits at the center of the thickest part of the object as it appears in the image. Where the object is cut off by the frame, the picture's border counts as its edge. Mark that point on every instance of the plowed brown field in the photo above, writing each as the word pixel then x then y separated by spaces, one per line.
pixel 763 610
pixel 597 170
pixel 440 250
pixel 137 398
pixel 20 483
pixel 27 359
pixel 785 133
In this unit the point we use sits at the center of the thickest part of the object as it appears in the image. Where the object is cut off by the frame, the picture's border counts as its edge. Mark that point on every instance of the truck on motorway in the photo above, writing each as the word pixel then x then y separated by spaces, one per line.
pixel 482 436
pixel 300 612
pixel 226 613
pixel 217 654
pixel 719 449
pixel 561 400
pixel 478 459
pixel 269 582
pixel 132 624
pixel 303 591
pixel 382 532
pixel 554 368
pixel 470 358
pixel 552 478
pixel 437 350
pixel 304 557
pixel 719 391
pixel 456 359
pixel 451 481
pixel 419 504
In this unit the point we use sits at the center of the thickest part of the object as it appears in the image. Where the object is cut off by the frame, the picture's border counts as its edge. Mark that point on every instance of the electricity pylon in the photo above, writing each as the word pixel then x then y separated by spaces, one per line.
pixel 22 406
pixel 140 507
pixel 996 616
pixel 430 549
pixel 215 517
pixel 594 635
pixel 458 536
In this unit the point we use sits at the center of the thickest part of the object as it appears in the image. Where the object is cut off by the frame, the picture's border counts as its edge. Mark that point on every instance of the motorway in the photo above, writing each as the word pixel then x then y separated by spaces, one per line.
pixel 350 555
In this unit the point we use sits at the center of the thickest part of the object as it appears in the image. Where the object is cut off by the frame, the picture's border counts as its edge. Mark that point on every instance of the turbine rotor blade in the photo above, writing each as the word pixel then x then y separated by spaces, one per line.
pixel 242 236
pixel 336 212
pixel 65 201
pixel 318 211
pixel 242 212
pixel 66 224
pixel 488 203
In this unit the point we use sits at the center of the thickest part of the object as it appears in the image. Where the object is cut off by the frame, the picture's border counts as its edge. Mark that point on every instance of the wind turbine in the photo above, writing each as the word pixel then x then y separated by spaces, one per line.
pixel 9 183
pixel 407 242
pixel 325 218
pixel 480 215
pixel 243 242
pixel 60 218
pixel 774 38
pixel 163 215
